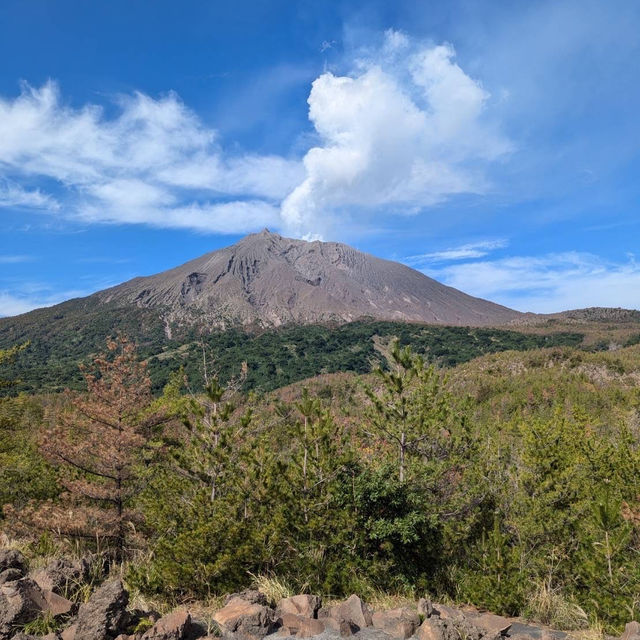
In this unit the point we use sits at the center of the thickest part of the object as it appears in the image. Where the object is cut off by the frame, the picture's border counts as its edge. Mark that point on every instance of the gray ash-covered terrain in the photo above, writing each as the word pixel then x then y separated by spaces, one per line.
pixel 268 280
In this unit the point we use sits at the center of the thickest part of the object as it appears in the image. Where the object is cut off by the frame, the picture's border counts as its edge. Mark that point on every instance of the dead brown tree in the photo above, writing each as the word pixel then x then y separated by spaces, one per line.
pixel 97 443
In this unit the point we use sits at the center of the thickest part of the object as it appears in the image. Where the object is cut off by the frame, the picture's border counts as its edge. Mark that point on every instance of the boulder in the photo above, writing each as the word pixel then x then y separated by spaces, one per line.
pixel 435 628
pixel 490 623
pixel 21 601
pixel 23 598
pixel 9 575
pixel 200 629
pixel 104 616
pixel 173 626
pixel 465 629
pixel 69 633
pixel 521 630
pixel 431 629
pixel 249 620
pixel 300 626
pixel 352 611
pixel 425 608
pixel 397 623
pixel 340 626
pixel 252 596
pixel 12 559
pixel 56 605
pixel 446 612
pixel 62 575
pixel 631 631
pixel 301 605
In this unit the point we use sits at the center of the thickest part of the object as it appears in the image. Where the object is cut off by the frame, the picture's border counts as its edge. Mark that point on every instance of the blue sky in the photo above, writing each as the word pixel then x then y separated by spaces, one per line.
pixel 493 145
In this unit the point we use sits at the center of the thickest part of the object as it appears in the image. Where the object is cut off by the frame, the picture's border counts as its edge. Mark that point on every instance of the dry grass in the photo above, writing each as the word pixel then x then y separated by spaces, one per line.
pixel 379 600
pixel 596 631
pixel 550 606
pixel 273 587
pixel 205 610
pixel 42 625
pixel 7 542
pixel 138 600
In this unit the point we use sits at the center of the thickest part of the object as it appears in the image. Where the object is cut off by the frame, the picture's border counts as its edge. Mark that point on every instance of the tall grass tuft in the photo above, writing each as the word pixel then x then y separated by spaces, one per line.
pixel 551 607
pixel 273 587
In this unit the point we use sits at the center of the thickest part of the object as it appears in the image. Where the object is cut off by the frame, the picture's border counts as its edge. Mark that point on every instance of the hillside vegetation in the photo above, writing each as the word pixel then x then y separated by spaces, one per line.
pixel 60 339
pixel 511 483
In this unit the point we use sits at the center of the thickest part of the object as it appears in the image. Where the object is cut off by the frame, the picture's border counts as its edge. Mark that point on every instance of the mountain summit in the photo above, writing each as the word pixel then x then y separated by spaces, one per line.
pixel 268 280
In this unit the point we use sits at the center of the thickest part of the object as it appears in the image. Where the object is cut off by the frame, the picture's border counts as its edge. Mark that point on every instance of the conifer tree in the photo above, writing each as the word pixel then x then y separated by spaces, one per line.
pixel 411 411
pixel 310 495
pixel 208 450
pixel 214 426
pixel 97 444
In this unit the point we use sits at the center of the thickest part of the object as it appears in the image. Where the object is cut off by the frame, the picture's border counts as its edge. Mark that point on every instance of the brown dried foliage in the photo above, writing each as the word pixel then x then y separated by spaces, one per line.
pixel 631 513
pixel 97 443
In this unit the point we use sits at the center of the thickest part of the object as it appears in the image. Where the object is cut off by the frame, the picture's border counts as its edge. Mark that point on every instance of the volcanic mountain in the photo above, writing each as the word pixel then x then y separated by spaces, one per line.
pixel 267 280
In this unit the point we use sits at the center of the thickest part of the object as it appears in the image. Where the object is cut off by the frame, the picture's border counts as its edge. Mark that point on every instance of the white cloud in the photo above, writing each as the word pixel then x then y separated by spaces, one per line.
pixel 549 283
pixel 126 196
pixel 154 162
pixel 405 130
pixel 213 217
pixel 12 304
pixel 463 252
pixel 13 195
pixel 263 176
pixel 20 296
pixel 231 217
pixel 395 41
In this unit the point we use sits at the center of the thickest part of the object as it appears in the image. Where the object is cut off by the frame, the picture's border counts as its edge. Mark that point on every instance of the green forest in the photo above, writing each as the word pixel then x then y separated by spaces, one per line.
pixel 61 337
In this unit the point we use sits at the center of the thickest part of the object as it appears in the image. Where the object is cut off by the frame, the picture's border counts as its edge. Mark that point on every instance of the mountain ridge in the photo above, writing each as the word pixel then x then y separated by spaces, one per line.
pixel 268 280
pixel 290 308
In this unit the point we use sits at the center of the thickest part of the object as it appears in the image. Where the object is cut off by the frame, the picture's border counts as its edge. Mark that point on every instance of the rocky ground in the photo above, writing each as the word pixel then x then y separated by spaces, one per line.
pixel 26 598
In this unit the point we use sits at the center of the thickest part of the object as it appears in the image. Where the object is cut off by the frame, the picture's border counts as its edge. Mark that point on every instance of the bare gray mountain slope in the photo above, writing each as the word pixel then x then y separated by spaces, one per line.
pixel 268 280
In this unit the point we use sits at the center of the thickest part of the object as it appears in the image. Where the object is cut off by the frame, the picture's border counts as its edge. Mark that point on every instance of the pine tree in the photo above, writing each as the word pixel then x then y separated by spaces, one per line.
pixel 310 493
pixel 214 426
pixel 412 410
pixel 97 444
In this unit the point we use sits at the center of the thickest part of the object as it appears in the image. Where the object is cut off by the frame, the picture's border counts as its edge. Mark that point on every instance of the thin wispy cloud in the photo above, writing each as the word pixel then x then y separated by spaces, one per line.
pixel 12 305
pixel 13 195
pixel 33 297
pixel 467 251
pixel 103 260
pixel 15 259
pixel 326 45
pixel 548 283
pixel 22 294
